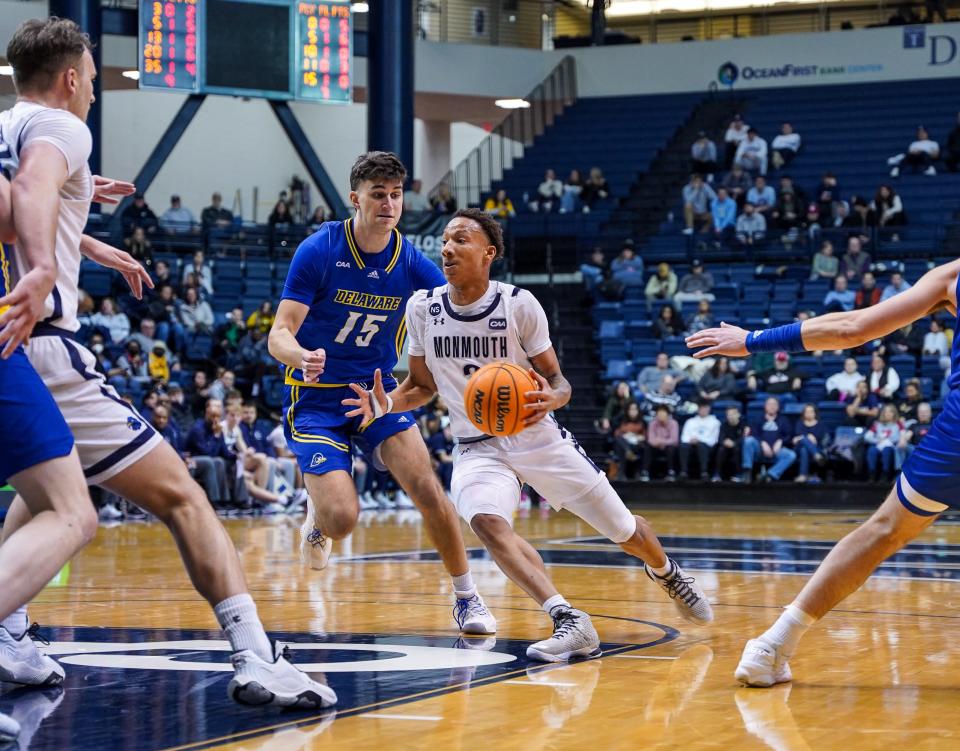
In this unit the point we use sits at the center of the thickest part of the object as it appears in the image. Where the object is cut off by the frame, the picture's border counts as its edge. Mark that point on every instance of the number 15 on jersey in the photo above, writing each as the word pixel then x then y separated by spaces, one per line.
pixel 369 328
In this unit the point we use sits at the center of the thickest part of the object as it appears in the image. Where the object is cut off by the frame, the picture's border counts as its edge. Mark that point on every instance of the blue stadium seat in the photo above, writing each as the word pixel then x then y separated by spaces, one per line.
pixel 611 330
pixel 618 370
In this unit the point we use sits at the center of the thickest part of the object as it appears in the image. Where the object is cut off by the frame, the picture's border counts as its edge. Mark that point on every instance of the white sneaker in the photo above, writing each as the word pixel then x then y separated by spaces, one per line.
pixel 9 729
pixel 688 598
pixel 762 665
pixel 404 502
pixel 383 501
pixel 573 636
pixel 314 547
pixel 274 508
pixel 366 502
pixel 29 708
pixel 109 512
pixel 257 682
pixel 22 662
pixel 930 171
pixel 472 616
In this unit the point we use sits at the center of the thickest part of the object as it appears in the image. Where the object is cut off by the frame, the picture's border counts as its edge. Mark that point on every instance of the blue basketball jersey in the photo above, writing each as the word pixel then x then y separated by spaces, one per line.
pixel 357 301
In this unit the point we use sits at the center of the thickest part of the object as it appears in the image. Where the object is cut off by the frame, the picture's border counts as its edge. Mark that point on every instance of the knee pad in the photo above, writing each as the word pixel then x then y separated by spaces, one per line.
pixel 603 510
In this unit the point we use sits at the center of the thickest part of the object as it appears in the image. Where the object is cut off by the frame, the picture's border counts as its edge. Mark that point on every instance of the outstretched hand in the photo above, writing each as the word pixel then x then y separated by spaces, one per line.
pixel 364 405
pixel 114 258
pixel 106 190
pixel 726 340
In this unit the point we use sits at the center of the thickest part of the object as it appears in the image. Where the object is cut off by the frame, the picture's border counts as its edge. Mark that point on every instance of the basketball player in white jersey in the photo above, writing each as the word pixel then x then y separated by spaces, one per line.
pixel 45 142
pixel 457 328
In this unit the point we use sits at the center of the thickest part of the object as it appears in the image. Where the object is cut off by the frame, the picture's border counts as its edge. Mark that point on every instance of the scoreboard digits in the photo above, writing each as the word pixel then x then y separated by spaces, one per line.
pixel 174 45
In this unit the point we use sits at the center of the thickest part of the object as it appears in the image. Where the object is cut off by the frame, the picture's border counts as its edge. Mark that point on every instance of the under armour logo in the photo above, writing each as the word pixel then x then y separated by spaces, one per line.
pixel 439 321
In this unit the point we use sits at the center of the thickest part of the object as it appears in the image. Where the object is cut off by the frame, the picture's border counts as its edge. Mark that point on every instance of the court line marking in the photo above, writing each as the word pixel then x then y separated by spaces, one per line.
pixel 555 684
pixel 384 716
pixel 645 657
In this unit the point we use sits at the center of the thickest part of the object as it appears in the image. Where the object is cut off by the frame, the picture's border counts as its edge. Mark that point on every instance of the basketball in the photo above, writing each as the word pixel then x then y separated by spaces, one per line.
pixel 494 398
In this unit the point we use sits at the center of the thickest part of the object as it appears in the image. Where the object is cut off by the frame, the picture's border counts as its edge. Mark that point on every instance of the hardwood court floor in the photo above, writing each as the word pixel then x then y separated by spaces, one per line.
pixel 145 670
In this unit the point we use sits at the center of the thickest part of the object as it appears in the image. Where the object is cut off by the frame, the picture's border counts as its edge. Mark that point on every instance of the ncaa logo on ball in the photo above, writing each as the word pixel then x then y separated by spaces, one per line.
pixel 478 406
pixel 435 309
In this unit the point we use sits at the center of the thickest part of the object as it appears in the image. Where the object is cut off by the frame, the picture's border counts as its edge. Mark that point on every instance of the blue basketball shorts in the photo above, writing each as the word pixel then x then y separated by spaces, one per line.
pixel 32 427
pixel 319 433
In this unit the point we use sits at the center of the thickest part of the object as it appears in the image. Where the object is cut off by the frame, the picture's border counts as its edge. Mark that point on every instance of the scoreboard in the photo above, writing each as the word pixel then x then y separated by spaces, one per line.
pixel 276 49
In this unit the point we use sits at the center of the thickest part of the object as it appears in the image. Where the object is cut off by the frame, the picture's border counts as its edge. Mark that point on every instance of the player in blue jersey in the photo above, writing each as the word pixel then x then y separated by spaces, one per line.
pixel 341 318
pixel 927 486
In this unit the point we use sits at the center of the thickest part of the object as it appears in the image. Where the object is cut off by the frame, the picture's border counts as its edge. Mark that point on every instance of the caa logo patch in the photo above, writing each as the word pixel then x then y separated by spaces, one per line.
pixel 498 323
pixel 317 459
pixel 343 264
pixel 134 424
pixel 434 309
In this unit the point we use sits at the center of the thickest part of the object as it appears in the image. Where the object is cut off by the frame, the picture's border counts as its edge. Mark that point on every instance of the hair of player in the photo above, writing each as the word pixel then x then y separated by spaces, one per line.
pixel 377 165
pixel 490 226
pixel 42 49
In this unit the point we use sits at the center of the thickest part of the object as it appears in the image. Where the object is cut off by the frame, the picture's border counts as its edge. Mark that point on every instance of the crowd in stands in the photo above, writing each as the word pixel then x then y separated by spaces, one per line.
pixel 768 416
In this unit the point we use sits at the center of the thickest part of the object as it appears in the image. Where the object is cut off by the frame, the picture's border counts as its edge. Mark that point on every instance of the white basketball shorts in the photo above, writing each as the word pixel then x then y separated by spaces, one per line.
pixel 110 435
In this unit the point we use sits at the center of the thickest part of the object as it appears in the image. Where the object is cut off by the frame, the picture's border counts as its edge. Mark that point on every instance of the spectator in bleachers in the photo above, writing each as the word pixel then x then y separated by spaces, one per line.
pixel 667 324
pixel 180 412
pixel 215 216
pixel 162 364
pixel 201 270
pixel 232 331
pixel 737 183
pixel 935 341
pixel 810 224
pixel 856 261
pixel 809 441
pixel 843 385
pixel 825 264
pixel 702 319
pixel 897 285
pixel 695 285
pixel 161 275
pixel 697 197
pixel 751 226
pixel 280 217
pixel 762 196
pixel 139 214
pixel 223 384
pixel 907 340
pixel 262 317
pixel 767 441
pixel 951 154
pixel 665 395
pixel 663 437
pixel 703 156
pixel 319 217
pixel 616 407
pixel 869 293
pixel 858 218
pixel 178 220
pixel 251 358
pixel 921 154
pixel 500 206
pixel 882 438
pixel 140 247
pixel 629 438
pixel 413 199
pixel 112 321
pixel 883 380
pixel 723 212
pixel 195 314
pixel 256 434
pixel 910 403
pixel 886 209
pixel 729 445
pixel 199 392
pixel 627 267
pixel 163 309
pixel 784 146
pixel 828 195
pixel 752 153
pixel 129 372
pixel 572 188
pixel 97 346
pixel 212 461
pixel 699 436
pixel 440 444
pixel 718 382
pixel 788 213
pixel 736 133
pixel 863 407
pixel 595 189
pixel 160 419
pixel 911 437
pixel 257 469
pixel 444 203
pixel 662 286
pixel 549 193
pixel 594 269
pixel 651 376
pixel 782 379
pixel 840 298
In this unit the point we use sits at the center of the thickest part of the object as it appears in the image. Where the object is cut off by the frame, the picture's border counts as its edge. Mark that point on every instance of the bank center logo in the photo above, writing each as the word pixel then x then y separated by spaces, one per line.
pixel 728 73
pixel 914 37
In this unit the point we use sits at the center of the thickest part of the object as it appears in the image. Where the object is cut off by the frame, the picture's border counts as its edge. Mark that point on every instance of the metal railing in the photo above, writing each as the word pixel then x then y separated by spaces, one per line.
pixel 507 142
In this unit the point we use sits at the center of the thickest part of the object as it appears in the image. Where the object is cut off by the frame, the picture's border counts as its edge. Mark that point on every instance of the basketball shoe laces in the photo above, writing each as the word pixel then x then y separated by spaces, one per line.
pixel 563 623
pixel 34 633
pixel 678 586
pixel 461 607
pixel 315 538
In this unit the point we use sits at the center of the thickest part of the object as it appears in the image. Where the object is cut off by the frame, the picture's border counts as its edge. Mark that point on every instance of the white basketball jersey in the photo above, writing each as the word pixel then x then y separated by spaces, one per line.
pixel 27 122
pixel 507 324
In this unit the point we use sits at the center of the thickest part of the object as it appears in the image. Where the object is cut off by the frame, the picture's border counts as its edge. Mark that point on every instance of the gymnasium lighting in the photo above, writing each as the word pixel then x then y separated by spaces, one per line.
pixel 6 70
pixel 360 7
pixel 512 104
pixel 133 75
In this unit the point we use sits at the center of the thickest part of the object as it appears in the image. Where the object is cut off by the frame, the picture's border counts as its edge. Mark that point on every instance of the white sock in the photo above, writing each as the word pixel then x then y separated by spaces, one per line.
pixel 17 622
pixel 551 602
pixel 664 570
pixel 463 586
pixel 238 618
pixel 786 632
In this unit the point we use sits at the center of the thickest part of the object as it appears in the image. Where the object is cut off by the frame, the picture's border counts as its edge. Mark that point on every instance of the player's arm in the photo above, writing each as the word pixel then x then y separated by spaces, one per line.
pixel 282 341
pixel 836 330
pixel 113 258
pixel 554 391
pixel 7 234
pixel 416 390
pixel 35 206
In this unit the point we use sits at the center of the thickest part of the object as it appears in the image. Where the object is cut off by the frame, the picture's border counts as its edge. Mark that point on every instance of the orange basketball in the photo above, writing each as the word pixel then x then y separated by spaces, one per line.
pixel 494 397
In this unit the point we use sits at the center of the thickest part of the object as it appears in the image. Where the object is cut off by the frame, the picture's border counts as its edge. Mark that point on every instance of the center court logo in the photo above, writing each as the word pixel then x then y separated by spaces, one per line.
pixel 728 73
